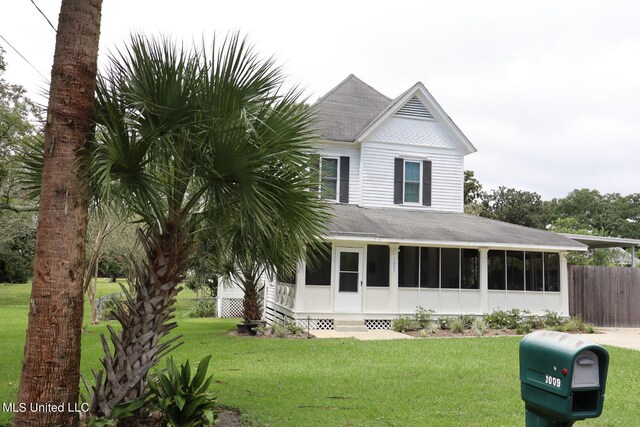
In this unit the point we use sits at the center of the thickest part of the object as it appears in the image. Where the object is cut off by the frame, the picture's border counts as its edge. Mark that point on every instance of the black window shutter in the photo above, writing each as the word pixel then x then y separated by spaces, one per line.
pixel 315 172
pixel 344 179
pixel 426 183
pixel 398 181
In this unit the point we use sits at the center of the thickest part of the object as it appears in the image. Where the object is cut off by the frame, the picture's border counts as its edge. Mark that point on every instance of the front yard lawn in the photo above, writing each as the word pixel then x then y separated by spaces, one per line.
pixel 280 382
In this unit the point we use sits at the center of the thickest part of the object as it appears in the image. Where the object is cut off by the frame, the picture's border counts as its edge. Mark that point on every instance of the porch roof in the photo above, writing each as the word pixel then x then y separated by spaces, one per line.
pixel 414 226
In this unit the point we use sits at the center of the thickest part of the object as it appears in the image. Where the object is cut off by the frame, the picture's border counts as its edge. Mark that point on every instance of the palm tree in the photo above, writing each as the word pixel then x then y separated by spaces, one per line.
pixel 187 135
pixel 51 365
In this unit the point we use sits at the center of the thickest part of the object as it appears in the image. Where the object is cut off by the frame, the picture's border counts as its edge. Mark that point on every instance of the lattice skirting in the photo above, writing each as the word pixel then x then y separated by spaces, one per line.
pixel 377 324
pixel 322 324
pixel 231 307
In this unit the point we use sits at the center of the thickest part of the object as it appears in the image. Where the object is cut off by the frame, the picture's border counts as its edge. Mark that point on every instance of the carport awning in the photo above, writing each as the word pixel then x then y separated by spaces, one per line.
pixel 421 226
pixel 604 242
pixel 595 242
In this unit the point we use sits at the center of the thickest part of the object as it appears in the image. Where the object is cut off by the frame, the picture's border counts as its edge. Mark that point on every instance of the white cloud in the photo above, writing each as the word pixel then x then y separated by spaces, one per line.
pixel 546 90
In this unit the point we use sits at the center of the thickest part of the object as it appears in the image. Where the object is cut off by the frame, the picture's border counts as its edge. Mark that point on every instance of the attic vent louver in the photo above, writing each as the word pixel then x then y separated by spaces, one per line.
pixel 414 108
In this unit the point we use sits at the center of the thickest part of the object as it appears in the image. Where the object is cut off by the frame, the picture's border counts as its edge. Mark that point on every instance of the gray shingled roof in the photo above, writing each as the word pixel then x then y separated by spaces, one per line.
pixel 404 225
pixel 343 113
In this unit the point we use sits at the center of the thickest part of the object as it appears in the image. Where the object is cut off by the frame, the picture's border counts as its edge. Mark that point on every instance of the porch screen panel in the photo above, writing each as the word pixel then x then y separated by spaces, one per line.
pixel 470 269
pixel 515 271
pixel 429 267
pixel 408 259
pixel 318 272
pixel 378 265
pixel 533 267
pixel 551 272
pixel 450 268
pixel 497 272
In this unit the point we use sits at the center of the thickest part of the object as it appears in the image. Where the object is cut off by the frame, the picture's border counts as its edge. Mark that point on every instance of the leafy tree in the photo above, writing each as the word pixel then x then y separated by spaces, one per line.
pixel 516 207
pixel 612 214
pixel 472 188
pixel 18 118
pixel 599 256
pixel 185 135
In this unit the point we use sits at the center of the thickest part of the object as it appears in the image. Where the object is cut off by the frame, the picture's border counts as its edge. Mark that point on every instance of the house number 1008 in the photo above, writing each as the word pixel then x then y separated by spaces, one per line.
pixel 556 382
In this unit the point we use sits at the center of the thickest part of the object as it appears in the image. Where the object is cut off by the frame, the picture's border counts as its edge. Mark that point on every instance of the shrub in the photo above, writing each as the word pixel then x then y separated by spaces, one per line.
pixel 523 328
pixel 467 320
pixel 294 328
pixel 404 324
pixel 444 323
pixel 430 329
pixel 108 306
pixel 479 327
pixel 278 330
pixel 423 317
pixel 573 324
pixel 552 320
pixel 202 307
pixel 502 319
pixel 457 325
pixel 184 401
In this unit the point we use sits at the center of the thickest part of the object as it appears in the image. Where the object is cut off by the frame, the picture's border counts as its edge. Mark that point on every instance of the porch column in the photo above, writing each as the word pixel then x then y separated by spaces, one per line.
pixel 298 304
pixel 393 279
pixel 484 280
pixel 564 283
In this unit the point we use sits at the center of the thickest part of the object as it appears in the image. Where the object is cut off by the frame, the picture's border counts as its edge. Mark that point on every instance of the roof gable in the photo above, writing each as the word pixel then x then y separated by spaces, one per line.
pixel 348 109
pixel 418 103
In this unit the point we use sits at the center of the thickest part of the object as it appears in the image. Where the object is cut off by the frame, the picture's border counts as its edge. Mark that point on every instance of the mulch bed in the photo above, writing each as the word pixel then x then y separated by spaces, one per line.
pixel 303 335
pixel 446 333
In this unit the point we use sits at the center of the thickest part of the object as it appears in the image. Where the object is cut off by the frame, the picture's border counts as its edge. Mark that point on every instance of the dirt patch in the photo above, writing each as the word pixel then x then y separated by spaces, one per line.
pixel 228 417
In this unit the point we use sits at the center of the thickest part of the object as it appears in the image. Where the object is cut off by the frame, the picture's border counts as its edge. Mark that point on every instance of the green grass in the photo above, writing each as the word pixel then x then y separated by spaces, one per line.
pixel 431 382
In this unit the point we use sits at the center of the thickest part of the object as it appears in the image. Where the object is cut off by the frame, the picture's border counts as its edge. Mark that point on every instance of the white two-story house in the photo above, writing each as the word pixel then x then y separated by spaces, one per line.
pixel 393 170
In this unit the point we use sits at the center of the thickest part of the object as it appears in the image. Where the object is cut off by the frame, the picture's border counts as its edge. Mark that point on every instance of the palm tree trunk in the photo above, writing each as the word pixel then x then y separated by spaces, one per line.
pixel 145 320
pixel 51 365
pixel 251 300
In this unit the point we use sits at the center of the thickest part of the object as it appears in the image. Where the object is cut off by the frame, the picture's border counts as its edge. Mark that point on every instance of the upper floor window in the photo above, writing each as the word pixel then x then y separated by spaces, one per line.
pixel 412 182
pixel 329 178
pixel 332 177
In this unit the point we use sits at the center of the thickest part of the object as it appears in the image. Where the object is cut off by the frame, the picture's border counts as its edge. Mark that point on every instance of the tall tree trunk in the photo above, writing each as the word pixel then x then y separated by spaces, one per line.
pixel 251 302
pixel 51 365
pixel 145 319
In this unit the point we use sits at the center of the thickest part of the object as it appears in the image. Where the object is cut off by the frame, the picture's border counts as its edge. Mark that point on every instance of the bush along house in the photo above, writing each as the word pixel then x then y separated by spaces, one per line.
pixel 393 171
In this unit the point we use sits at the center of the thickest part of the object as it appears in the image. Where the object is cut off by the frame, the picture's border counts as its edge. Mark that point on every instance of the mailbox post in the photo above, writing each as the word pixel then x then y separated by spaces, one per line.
pixel 562 378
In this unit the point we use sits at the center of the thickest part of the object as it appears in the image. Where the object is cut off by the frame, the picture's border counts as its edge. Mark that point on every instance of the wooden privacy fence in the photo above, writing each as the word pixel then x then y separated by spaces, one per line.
pixel 605 296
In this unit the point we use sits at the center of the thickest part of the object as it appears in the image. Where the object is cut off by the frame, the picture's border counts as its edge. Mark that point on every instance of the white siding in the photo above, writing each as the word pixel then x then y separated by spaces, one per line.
pixel 424 132
pixel 377 174
pixel 353 152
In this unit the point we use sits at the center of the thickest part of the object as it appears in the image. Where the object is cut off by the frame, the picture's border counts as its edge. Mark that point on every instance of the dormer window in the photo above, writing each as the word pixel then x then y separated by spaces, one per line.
pixel 412 182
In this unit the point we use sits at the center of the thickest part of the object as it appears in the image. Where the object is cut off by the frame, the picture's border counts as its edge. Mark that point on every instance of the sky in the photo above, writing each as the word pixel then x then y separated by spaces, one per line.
pixel 548 91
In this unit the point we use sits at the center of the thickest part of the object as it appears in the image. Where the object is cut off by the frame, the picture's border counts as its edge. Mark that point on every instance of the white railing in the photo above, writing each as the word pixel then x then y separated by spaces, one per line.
pixel 285 294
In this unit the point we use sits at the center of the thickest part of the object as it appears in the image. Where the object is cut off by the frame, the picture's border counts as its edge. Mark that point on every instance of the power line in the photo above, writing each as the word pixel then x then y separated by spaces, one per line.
pixel 25 59
pixel 45 16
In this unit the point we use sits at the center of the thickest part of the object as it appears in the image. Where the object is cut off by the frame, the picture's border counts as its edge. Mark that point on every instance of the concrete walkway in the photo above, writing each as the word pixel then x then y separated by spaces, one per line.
pixel 617 337
pixel 376 334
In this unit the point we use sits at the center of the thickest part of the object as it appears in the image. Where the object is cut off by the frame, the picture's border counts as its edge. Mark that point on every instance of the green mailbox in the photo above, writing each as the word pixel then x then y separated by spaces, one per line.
pixel 562 378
